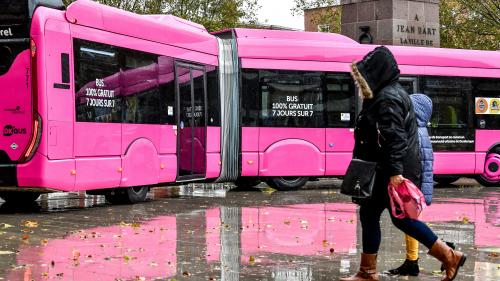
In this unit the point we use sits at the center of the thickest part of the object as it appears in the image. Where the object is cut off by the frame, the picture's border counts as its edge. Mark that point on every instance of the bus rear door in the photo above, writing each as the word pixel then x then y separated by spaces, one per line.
pixel 191 121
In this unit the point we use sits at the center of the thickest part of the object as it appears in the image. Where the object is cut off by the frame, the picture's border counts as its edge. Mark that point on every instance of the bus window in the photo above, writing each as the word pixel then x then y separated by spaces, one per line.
pixel 167 90
pixel 488 88
pixel 213 97
pixel 451 126
pixel 291 99
pixel 409 84
pixel 249 109
pixel 97 79
pixel 340 100
pixel 14 35
pixel 140 88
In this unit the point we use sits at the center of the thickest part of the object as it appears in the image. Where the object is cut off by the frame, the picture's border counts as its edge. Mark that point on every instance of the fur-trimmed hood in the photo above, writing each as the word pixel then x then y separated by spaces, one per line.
pixel 377 70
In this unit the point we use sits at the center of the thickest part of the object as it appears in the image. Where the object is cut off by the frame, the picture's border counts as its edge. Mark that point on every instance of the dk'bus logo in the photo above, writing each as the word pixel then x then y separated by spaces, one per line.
pixel 10 130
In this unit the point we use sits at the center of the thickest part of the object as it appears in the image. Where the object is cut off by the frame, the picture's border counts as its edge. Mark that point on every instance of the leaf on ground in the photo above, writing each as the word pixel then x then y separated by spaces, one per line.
pixel 30 224
pixel 44 242
pixel 6 253
pixel 186 274
pixel 5 225
pixel 465 220
pixel 493 255
pixel 75 254
pixel 268 190
pixel 287 222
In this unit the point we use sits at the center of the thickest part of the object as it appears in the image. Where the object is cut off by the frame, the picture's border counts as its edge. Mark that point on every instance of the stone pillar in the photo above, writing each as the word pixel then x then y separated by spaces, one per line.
pixel 393 22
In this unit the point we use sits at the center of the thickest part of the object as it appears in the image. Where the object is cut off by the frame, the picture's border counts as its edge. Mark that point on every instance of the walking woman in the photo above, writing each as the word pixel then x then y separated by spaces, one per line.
pixel 386 133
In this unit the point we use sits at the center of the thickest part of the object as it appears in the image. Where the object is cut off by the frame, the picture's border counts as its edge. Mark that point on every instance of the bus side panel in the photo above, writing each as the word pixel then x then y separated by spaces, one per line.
pixel 292 152
pixel 213 152
pixel 97 172
pixel 60 100
pixel 339 146
pixel 249 151
pixel 454 163
pixel 40 172
pixel 487 139
pixel 141 164
pixel 168 168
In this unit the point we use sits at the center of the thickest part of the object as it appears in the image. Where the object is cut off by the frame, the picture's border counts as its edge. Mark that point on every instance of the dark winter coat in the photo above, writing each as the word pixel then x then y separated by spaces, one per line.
pixel 423 111
pixel 386 129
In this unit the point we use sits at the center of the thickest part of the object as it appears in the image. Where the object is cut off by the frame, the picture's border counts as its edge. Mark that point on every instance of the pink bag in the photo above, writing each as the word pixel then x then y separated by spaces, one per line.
pixel 407 201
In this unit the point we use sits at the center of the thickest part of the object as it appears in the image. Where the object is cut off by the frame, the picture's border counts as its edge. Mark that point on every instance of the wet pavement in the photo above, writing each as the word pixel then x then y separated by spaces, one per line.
pixel 208 233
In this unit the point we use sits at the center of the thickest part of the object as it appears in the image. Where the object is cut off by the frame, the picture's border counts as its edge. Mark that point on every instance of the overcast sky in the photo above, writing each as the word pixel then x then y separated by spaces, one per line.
pixel 278 12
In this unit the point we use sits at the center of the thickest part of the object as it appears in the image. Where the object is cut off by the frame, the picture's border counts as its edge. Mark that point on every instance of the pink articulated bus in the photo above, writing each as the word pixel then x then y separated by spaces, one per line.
pixel 299 105
pixel 98 99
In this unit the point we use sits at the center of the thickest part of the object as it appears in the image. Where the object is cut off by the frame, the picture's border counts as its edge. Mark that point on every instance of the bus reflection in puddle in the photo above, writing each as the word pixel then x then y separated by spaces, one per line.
pixel 291 242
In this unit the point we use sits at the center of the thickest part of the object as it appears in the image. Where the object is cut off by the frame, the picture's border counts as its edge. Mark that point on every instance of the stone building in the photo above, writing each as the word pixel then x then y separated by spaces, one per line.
pixel 388 22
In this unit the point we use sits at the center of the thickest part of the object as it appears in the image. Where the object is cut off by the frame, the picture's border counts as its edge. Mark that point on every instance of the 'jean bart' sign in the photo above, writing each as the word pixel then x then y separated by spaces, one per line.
pixel 416 34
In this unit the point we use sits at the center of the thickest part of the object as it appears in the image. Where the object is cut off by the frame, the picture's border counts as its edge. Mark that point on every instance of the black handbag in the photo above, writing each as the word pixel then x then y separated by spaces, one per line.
pixel 359 180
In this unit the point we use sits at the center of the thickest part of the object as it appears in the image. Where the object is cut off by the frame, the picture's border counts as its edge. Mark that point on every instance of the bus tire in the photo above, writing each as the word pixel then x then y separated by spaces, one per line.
pixel 491 175
pixel 287 183
pixel 129 195
pixel 247 183
pixel 445 180
pixel 19 197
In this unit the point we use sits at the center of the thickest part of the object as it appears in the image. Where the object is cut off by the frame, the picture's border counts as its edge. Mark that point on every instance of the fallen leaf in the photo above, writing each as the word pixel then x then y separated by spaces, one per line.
pixel 140 278
pixel 251 260
pixel 76 255
pixel 30 224
pixel 287 222
pixel 465 220
pixel 493 255
pixel 332 250
pixel 6 253
pixel 44 242
pixel 325 243
pixel 26 237
pixel 186 274
pixel 5 225
pixel 268 190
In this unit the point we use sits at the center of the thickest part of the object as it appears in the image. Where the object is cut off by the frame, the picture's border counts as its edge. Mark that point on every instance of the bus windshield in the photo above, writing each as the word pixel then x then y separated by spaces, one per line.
pixel 14 33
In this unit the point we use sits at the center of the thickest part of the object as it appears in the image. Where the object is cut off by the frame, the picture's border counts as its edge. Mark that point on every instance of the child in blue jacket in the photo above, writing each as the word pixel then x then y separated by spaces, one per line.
pixel 423 111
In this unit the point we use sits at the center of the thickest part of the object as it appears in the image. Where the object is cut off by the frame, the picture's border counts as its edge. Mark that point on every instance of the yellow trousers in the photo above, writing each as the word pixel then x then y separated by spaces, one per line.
pixel 411 248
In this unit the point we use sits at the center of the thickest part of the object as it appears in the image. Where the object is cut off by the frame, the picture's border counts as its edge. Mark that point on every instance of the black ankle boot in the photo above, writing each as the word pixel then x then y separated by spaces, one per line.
pixel 407 268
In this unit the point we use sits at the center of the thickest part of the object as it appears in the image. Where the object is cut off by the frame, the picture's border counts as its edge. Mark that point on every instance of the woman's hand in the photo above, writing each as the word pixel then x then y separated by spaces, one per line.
pixel 397 180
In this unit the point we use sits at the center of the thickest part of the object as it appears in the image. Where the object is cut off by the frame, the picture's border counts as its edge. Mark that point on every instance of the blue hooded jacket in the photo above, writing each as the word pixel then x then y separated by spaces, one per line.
pixel 423 111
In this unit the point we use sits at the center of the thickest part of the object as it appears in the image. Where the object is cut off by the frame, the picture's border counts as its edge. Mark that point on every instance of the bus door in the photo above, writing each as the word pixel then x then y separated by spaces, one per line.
pixel 191 121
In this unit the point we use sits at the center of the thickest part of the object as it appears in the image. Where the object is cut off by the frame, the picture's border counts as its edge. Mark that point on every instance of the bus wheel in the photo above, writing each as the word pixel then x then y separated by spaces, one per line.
pixel 129 195
pixel 491 175
pixel 19 197
pixel 287 183
pixel 445 180
pixel 247 183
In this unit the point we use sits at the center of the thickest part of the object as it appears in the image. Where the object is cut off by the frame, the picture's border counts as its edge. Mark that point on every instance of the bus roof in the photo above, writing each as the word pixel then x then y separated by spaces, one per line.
pixel 331 47
pixel 164 29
